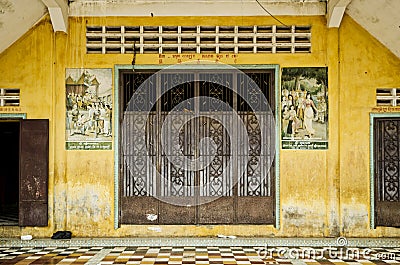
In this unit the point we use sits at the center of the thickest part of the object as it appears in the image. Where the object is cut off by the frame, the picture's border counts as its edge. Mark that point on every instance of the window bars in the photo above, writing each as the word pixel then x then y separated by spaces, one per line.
pixel 9 97
pixel 387 97
pixel 197 39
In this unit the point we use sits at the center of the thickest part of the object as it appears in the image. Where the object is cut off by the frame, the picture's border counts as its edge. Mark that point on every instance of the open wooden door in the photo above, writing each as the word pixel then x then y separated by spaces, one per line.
pixel 33 178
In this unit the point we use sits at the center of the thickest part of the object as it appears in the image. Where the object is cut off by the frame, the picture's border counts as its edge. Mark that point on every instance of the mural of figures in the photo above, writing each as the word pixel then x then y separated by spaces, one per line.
pixel 304 109
pixel 88 109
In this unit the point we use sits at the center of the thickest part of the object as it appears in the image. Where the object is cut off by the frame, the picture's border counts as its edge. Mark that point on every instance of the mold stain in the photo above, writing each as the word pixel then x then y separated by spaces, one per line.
pixel 293 213
pixel 6 6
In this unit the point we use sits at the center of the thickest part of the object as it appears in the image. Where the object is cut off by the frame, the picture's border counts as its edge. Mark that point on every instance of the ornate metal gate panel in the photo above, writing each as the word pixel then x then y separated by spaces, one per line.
pixel 192 178
pixel 387 171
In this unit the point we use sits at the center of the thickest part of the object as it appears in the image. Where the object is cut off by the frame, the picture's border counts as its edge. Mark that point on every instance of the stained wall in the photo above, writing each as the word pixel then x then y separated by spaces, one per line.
pixel 322 192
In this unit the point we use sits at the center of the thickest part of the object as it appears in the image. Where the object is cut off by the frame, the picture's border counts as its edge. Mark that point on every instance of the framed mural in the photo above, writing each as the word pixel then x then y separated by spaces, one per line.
pixel 304 108
pixel 88 109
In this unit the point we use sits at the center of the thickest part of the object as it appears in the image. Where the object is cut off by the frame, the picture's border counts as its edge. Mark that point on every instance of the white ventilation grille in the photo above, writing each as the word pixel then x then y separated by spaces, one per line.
pixel 198 39
pixel 9 97
pixel 388 97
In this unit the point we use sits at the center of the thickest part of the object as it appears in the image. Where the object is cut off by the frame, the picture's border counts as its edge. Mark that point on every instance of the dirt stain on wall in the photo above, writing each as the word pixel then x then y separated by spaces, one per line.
pixel 5 7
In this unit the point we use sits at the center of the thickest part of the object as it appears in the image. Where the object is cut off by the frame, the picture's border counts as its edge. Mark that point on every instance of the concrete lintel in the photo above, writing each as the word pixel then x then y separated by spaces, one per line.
pixel 195 8
pixel 335 12
pixel 58 10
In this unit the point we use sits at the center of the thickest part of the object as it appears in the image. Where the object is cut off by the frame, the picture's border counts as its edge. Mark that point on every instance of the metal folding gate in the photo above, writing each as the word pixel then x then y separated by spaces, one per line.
pixel 183 160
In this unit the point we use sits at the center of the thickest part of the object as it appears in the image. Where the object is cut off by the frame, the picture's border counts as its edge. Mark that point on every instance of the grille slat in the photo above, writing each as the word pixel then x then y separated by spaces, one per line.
pixel 388 97
pixel 198 39
pixel 9 97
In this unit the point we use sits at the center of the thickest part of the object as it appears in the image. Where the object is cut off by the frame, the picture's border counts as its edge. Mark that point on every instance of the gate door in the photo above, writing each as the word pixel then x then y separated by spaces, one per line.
pixel 387 171
pixel 177 163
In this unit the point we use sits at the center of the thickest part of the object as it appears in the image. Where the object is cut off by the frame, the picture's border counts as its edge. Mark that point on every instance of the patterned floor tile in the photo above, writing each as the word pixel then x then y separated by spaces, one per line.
pixel 200 255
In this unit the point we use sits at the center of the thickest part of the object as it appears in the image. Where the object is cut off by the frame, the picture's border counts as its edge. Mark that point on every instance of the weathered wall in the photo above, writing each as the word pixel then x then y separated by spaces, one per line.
pixel 28 64
pixel 323 193
pixel 364 66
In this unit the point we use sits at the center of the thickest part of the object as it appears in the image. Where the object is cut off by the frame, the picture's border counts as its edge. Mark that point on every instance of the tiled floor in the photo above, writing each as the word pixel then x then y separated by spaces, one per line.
pixel 9 216
pixel 49 255
pixel 200 255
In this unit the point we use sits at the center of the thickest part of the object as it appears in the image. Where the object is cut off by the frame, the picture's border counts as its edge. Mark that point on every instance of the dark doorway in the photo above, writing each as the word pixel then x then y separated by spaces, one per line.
pixel 9 173
pixel 24 172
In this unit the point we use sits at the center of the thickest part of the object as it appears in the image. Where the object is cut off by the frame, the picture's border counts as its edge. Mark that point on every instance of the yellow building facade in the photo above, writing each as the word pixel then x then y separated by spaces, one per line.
pixel 322 193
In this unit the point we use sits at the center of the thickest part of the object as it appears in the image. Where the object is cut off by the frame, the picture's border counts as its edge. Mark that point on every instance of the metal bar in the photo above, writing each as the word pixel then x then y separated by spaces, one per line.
pixel 234 146
pixel 196 124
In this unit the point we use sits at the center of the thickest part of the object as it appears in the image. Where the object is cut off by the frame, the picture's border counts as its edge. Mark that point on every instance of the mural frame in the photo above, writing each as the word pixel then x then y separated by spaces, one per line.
pixel 303 108
pixel 88 109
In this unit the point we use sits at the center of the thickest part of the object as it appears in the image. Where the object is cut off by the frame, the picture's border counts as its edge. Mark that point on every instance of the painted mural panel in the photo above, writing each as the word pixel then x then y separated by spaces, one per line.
pixel 88 109
pixel 304 108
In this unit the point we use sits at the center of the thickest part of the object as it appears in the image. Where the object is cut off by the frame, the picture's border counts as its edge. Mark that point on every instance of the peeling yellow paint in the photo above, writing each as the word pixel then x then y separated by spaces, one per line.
pixel 323 193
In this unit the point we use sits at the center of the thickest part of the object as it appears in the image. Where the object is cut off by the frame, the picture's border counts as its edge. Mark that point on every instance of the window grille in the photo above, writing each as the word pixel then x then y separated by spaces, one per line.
pixel 9 97
pixel 387 97
pixel 198 39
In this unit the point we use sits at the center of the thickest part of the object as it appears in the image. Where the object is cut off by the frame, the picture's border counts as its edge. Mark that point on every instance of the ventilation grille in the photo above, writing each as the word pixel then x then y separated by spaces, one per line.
pixel 9 97
pixel 387 97
pixel 198 39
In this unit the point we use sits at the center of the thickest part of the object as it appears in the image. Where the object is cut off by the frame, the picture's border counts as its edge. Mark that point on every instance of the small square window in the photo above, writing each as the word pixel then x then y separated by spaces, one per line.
pixel 9 97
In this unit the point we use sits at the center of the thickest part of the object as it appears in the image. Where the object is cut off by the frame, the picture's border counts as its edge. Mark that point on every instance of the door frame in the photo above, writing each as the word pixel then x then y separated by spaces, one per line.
pixel 372 117
pixel 118 68
pixel 13 117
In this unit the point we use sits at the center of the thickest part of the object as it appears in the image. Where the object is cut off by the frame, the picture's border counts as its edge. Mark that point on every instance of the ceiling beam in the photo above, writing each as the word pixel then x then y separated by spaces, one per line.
pixel 58 10
pixel 335 12
pixel 197 8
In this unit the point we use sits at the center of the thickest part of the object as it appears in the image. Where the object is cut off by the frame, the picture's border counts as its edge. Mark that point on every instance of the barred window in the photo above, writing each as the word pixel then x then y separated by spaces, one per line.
pixel 9 97
pixel 198 39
